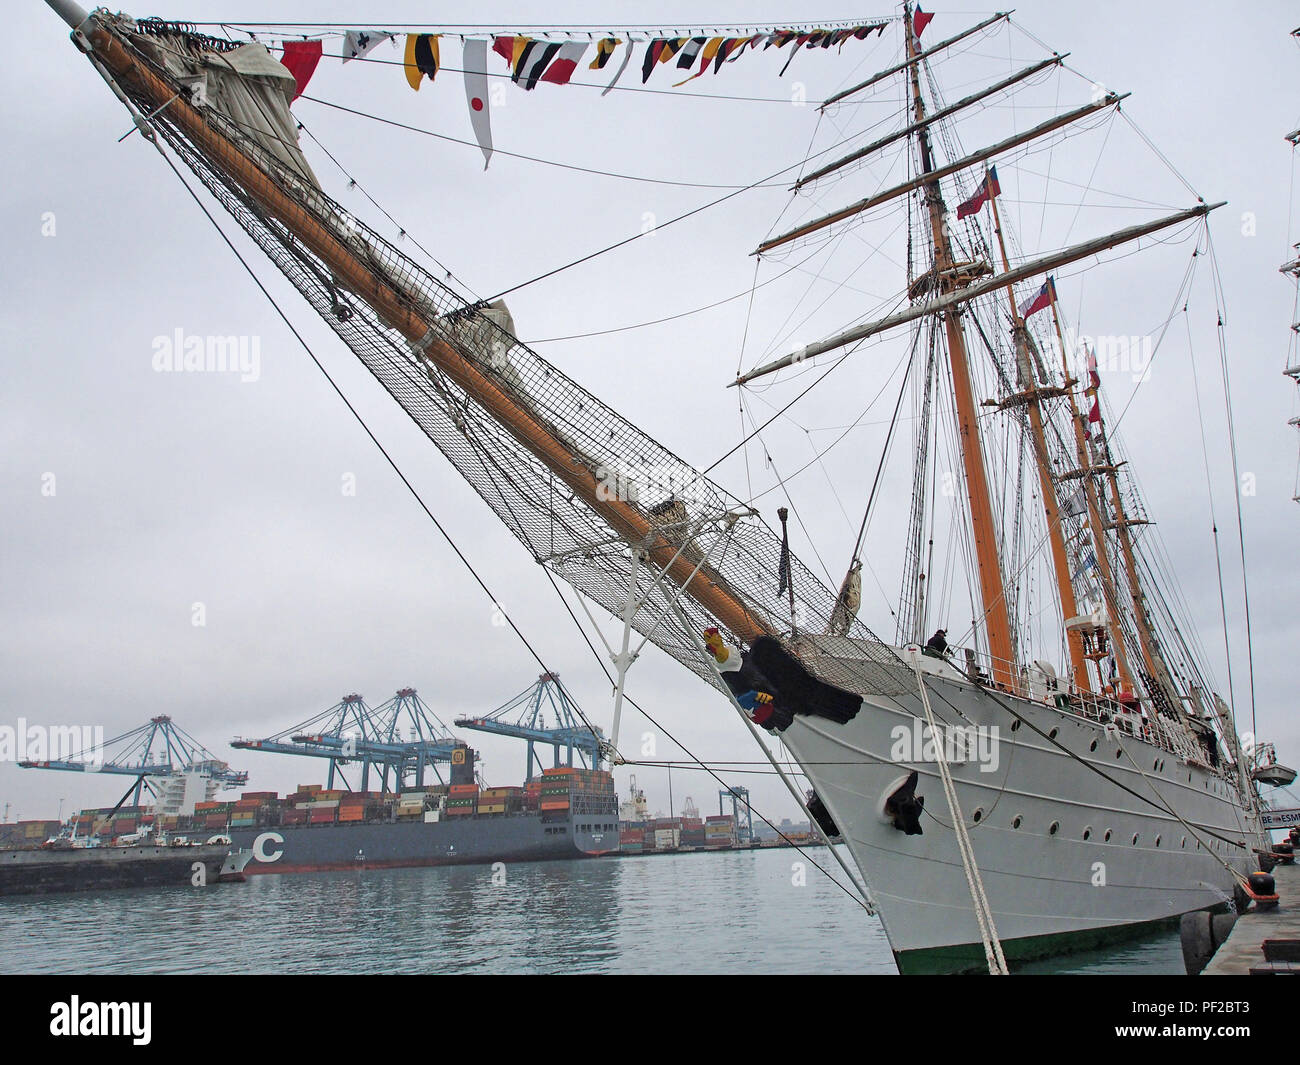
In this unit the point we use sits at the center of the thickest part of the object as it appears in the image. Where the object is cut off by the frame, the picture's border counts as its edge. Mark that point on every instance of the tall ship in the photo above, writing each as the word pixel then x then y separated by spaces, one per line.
pixel 1059 772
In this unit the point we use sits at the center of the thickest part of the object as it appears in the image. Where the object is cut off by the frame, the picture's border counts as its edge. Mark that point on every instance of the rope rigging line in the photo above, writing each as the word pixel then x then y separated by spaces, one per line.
pixel 447 537
pixel 1236 471
pixel 857 895
pixel 1083 761
pixel 527 158
pixel 401 229
pixel 683 314
pixel 1214 523
pixel 479 28
pixel 997 961
pixel 763 182
pixel 365 427
pixel 785 100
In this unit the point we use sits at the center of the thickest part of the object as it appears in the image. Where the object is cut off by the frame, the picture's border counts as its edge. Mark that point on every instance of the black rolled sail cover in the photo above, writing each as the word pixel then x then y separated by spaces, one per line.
pixel 799 691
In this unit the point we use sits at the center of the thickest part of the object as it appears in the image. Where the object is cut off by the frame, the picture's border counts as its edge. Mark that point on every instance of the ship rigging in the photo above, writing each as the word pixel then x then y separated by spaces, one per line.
pixel 1042 496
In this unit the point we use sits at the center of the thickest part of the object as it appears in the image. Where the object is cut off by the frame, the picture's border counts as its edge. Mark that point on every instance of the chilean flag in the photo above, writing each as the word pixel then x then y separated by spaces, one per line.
pixel 1040 299
pixel 989 188
pixel 920 20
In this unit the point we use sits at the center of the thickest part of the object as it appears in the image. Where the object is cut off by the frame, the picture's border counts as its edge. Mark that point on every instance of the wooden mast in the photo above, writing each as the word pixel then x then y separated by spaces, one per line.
pixel 996 617
pixel 1095 523
pixel 395 308
pixel 1151 656
pixel 1047 484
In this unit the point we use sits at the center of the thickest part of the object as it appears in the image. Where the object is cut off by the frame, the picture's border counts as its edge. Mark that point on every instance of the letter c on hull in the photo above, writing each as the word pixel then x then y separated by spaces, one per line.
pixel 259 847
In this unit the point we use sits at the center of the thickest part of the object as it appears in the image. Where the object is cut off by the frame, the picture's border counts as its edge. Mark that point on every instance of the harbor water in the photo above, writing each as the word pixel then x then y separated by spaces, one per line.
pixel 753 912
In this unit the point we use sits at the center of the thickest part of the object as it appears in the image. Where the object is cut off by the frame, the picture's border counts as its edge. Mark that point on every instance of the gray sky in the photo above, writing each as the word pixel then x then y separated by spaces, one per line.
pixel 176 489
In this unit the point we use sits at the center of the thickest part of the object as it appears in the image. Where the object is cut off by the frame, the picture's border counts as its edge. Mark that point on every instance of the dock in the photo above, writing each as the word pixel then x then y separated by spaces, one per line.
pixel 1264 942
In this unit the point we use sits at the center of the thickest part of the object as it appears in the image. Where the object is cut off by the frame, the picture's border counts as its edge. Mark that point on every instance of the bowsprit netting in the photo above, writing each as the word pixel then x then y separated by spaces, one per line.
pixel 575 521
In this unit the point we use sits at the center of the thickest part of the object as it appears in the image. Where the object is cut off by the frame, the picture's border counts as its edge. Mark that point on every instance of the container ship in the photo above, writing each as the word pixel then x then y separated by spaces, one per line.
pixel 567 813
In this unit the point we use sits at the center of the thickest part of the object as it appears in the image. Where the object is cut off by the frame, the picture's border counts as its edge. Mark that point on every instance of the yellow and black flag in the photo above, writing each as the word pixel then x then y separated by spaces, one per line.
pixel 604 49
pixel 421 58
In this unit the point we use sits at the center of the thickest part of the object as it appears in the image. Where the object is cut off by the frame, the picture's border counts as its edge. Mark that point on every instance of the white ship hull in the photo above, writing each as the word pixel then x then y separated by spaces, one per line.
pixel 1111 865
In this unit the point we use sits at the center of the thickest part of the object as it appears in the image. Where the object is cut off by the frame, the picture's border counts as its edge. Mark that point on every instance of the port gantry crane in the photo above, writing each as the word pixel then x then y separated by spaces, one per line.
pixel 350 731
pixel 159 748
pixel 742 814
pixel 524 717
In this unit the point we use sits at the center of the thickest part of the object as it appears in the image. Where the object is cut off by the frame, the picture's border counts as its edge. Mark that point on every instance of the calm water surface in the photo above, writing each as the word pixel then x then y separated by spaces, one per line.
pixel 736 912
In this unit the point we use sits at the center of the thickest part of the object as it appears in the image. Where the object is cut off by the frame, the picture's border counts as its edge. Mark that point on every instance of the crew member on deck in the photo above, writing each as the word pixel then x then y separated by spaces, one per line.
pixel 937 645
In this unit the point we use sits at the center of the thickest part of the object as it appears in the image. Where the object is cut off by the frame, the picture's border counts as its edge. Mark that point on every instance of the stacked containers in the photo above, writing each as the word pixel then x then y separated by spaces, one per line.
pixel 719 831
pixel 500 800
pixel 244 814
pixel 352 807
pixel 462 800
pixel 556 792
pixel 692 832
pixel 410 805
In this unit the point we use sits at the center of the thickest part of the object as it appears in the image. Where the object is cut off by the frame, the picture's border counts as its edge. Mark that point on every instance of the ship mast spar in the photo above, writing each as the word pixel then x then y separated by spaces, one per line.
pixel 996 616
pixel 1032 397
pixel 1096 525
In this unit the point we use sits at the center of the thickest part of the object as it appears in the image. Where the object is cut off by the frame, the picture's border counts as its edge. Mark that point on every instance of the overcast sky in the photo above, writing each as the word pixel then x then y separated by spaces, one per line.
pixel 179 489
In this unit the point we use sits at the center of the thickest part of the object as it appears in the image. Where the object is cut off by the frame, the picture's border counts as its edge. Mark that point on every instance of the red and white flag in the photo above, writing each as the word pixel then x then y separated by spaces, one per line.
pixel 564 63
pixel 920 20
pixel 1040 299
pixel 989 188
pixel 476 95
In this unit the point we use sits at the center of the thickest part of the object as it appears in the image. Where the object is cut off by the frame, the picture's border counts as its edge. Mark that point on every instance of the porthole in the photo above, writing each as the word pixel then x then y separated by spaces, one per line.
pixel 978 815
pixel 1052 735
pixel 1155 766
pixel 1092 746
pixel 1015 821
pixel 1183 844
pixel 1053 828
pixel 1157 841
pixel 1087 832
pixel 1015 724
pixel 1106 837
pixel 1119 752
pixel 1135 839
